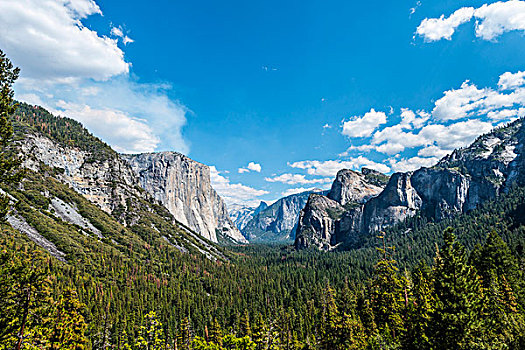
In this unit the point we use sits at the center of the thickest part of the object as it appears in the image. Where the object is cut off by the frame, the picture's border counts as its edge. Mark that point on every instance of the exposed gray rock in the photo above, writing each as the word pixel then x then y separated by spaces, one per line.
pixel 107 182
pixel 353 187
pixel 242 214
pixel 70 214
pixel 18 223
pixel 183 186
pixel 317 222
pixel 278 221
pixel 324 221
pixel 458 183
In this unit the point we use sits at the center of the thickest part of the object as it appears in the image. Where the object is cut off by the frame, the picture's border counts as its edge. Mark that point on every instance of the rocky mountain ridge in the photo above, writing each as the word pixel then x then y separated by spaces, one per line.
pixel 277 222
pixel 320 221
pixel 242 214
pixel 58 148
pixel 184 187
pixel 458 183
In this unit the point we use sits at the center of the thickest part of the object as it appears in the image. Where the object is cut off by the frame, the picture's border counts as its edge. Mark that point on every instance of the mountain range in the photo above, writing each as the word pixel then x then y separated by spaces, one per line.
pixel 458 183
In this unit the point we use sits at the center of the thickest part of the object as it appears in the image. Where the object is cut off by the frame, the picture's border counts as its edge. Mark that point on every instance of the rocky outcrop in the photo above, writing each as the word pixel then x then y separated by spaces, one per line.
pixel 183 186
pixel 317 223
pixel 324 220
pixel 353 187
pixel 108 182
pixel 277 222
pixel 242 214
pixel 458 183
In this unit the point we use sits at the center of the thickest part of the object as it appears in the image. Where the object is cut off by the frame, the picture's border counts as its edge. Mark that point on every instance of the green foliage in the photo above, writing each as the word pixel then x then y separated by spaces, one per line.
pixel 457 321
pixel 8 162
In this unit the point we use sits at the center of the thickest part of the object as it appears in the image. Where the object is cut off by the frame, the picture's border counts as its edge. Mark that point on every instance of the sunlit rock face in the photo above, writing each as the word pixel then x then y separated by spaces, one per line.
pixel 457 183
pixel 183 186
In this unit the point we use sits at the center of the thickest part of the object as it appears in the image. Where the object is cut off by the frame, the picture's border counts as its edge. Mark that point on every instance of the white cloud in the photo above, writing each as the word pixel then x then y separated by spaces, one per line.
pixel 331 167
pixel 364 126
pixel 118 32
pixel 510 80
pixel 291 191
pixel 409 119
pixel 251 167
pixel 433 29
pixel 254 167
pixel 294 179
pixel 432 151
pixel 412 164
pixel 492 20
pixel 128 134
pixel 458 104
pixel 468 100
pixel 457 119
pixel 47 39
pixel 234 193
pixel 62 60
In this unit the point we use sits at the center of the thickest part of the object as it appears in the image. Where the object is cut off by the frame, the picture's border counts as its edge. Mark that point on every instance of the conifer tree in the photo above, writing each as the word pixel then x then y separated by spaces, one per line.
pixel 65 327
pixel 8 164
pixel 457 321
pixel 245 328
pixel 387 293
pixel 184 335
pixel 420 309
pixel 215 332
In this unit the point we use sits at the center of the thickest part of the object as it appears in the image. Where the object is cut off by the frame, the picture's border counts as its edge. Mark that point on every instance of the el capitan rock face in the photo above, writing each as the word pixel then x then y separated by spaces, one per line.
pixel 458 183
pixel 183 186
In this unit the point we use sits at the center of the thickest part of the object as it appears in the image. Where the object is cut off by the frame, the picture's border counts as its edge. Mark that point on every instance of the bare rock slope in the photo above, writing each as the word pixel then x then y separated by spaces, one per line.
pixel 183 186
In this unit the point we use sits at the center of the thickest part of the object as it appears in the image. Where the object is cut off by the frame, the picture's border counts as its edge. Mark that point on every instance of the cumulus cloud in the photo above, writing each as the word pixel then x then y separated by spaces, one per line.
pixel 129 134
pixel 254 167
pixel 433 29
pixel 294 179
pixel 456 120
pixel 492 20
pixel 331 167
pixel 412 164
pixel 251 167
pixel 47 39
pixel 65 64
pixel 510 80
pixel 234 193
pixel 364 126
pixel 469 100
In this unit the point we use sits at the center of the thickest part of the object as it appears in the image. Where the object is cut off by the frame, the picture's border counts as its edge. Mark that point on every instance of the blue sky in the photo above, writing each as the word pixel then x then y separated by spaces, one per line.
pixel 276 96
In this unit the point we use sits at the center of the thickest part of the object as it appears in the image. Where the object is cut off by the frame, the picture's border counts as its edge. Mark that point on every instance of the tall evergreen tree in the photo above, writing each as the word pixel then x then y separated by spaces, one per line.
pixel 8 164
pixel 457 321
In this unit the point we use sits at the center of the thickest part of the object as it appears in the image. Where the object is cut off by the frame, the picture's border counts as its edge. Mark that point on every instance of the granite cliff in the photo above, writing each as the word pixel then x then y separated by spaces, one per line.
pixel 277 222
pixel 320 221
pixel 183 186
pixel 459 182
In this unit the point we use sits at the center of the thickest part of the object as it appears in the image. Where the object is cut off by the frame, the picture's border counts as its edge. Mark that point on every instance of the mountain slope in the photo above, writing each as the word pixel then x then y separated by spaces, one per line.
pixel 458 183
pixel 75 178
pixel 242 214
pixel 277 222
pixel 184 187
pixel 323 217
